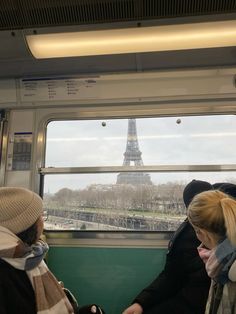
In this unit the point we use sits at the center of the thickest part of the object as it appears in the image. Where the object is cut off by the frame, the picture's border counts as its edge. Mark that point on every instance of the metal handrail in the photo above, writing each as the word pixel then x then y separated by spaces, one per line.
pixel 151 168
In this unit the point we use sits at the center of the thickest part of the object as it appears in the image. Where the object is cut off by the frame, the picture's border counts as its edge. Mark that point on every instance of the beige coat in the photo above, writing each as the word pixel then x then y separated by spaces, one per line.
pixel 228 301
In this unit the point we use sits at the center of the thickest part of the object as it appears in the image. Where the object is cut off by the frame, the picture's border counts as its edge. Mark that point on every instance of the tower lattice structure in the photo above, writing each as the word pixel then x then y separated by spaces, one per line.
pixel 133 156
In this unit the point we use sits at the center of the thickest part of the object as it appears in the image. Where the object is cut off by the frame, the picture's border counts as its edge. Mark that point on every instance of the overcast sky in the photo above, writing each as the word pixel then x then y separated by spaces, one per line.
pixel 162 141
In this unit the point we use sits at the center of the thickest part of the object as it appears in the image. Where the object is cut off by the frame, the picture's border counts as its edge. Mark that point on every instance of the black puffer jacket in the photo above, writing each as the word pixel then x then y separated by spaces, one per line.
pixel 16 292
pixel 182 287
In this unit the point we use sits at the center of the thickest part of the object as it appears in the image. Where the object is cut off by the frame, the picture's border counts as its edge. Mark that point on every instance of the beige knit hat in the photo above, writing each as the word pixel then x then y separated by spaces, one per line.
pixel 19 208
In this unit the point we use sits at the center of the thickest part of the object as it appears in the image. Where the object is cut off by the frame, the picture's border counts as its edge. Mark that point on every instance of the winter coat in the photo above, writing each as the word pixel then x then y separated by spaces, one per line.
pixel 182 287
pixel 222 299
pixel 16 292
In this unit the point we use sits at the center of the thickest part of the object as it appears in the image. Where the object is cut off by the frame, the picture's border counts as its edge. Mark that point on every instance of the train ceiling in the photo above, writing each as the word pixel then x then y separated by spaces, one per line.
pixel 18 14
pixel 18 17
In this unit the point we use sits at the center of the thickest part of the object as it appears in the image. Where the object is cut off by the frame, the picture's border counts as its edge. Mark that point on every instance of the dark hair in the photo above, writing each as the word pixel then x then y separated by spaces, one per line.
pixel 29 236
pixel 227 188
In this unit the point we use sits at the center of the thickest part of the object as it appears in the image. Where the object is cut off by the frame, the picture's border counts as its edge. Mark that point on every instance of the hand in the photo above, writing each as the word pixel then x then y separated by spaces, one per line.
pixel 134 309
pixel 90 309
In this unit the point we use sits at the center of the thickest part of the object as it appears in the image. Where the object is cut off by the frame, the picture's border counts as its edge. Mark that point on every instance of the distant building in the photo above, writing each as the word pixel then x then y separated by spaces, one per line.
pixel 133 156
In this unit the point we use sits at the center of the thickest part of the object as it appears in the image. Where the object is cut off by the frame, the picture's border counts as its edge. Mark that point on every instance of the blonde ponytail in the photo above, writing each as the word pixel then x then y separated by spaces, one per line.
pixel 215 212
pixel 229 212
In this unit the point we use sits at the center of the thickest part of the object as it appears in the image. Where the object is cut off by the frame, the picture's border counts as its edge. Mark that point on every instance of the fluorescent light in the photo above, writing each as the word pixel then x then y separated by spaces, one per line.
pixel 133 40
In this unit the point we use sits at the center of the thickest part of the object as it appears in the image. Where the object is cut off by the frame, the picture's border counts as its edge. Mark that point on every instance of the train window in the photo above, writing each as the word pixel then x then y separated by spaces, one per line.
pixel 162 141
pixel 129 174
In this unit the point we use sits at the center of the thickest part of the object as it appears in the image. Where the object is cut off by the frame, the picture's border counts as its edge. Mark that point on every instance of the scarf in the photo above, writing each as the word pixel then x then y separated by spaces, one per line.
pixel 50 298
pixel 219 260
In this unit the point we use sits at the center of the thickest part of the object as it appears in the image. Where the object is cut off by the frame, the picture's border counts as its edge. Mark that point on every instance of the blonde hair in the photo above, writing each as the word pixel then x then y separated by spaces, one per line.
pixel 215 212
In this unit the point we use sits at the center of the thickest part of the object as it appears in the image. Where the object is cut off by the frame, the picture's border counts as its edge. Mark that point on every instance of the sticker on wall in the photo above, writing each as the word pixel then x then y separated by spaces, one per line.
pixel 21 156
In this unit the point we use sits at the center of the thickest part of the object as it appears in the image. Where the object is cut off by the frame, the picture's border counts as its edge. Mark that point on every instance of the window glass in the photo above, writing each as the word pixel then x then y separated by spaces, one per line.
pixel 96 202
pixel 131 200
pixel 161 141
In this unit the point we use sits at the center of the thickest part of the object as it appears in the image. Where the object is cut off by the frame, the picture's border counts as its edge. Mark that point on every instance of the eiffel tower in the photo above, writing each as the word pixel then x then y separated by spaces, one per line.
pixel 133 154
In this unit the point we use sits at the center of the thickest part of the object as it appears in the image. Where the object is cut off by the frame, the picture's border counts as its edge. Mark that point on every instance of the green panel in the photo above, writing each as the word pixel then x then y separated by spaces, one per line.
pixel 111 277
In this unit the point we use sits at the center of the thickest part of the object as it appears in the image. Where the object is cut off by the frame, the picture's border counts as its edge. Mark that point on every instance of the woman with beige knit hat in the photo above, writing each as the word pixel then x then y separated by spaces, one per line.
pixel 26 284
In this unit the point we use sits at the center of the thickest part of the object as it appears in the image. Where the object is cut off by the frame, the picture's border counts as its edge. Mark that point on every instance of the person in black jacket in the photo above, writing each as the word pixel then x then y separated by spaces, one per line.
pixel 182 287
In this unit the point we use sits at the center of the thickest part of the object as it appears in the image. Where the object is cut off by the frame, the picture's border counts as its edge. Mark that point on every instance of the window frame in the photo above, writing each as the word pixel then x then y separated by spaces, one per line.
pixel 98 112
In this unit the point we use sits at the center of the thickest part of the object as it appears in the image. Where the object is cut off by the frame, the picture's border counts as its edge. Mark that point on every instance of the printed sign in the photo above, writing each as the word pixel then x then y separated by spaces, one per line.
pixel 22 144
